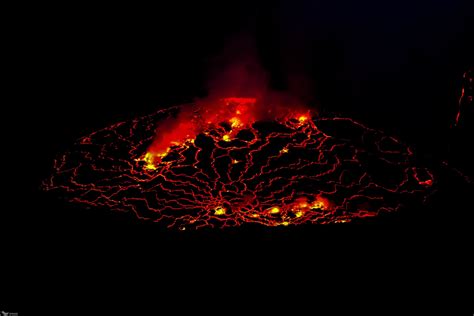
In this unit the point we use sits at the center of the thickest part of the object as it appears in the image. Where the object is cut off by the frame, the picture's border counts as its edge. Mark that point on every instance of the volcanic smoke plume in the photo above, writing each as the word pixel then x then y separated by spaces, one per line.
pixel 228 161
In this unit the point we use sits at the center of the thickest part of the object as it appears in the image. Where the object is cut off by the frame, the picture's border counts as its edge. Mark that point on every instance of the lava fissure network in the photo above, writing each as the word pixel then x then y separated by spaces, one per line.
pixel 230 164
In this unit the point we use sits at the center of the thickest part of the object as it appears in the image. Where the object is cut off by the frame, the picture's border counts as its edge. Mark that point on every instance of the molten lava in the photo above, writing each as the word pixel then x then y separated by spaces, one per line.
pixel 236 161
pixel 232 114
pixel 466 98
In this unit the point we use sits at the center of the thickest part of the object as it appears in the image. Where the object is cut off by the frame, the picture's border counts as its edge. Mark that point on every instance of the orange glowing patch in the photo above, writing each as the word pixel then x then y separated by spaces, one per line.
pixel 219 210
pixel 235 122
pixel 274 210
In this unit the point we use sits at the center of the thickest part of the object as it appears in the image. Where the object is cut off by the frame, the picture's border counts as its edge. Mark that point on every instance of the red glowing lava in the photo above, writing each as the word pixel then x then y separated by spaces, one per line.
pixel 465 98
pixel 233 113
pixel 235 162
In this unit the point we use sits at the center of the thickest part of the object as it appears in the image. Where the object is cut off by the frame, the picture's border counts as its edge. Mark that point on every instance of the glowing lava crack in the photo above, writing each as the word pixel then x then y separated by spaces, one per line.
pixel 227 171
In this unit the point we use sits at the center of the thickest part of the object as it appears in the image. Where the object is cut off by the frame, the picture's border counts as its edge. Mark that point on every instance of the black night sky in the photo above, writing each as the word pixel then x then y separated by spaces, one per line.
pixel 394 66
